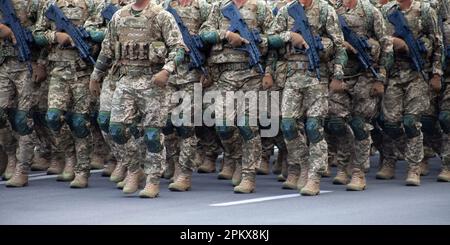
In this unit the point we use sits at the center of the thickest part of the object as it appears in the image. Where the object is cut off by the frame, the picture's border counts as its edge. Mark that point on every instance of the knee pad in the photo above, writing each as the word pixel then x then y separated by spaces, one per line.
pixel 78 124
pixel 444 121
pixel 54 119
pixel 168 128
pixel 152 140
pixel 429 125
pixel 336 126
pixel 3 118
pixel 21 123
pixel 185 132
pixel 394 130
pixel 409 123
pixel 357 124
pixel 224 132
pixel 103 120
pixel 313 129
pixel 289 128
pixel 118 133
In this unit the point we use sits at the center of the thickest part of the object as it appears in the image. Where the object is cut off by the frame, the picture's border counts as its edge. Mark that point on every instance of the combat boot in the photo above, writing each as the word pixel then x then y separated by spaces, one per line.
pixel 327 172
pixel 413 178
pixel 150 190
pixel 303 176
pixel 424 171
pixel 10 167
pixel 97 161
pixel 444 176
pixel 20 177
pixel 40 163
pixel 119 173
pixel 292 178
pixel 109 168
pixel 68 173
pixel 237 175
pixel 133 179
pixel 387 171
pixel 312 187
pixel 80 181
pixel 56 166
pixel 208 166
pixel 227 170
pixel 358 181
pixel 341 176
pixel 121 184
pixel 183 182
pixel 264 166
pixel 247 184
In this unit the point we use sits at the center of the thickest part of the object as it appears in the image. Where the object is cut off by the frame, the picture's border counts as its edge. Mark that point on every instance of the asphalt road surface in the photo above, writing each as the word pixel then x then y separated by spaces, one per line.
pixel 211 201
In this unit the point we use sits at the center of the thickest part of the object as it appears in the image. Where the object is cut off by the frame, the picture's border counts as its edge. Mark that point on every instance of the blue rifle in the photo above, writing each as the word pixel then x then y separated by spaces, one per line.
pixel 193 43
pixel 78 34
pixel 301 26
pixel 416 47
pixel 23 36
pixel 108 12
pixel 237 24
pixel 361 45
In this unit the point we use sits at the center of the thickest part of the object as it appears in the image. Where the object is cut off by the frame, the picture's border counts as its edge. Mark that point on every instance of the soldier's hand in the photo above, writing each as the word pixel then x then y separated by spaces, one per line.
pixel 235 39
pixel 337 86
pixel 39 73
pixel 435 83
pixel 267 81
pixel 350 48
pixel 377 89
pixel 63 39
pixel 161 78
pixel 298 41
pixel 94 87
pixel 206 81
pixel 400 45
pixel 7 34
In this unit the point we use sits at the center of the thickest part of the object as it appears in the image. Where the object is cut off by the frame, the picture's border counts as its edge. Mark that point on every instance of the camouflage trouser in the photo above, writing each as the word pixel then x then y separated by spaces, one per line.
pixel 100 148
pixel 69 92
pixel 300 103
pixel 445 106
pixel 136 97
pixel 407 95
pixel 240 150
pixel 432 133
pixel 356 102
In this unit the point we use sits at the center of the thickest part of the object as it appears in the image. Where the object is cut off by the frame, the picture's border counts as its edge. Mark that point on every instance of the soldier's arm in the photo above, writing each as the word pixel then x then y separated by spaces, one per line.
pixel 106 56
pixel 387 48
pixel 265 25
pixel 95 25
pixel 173 40
pixel 209 31
pixel 205 10
pixel 335 33
pixel 42 32
pixel 278 30
pixel 437 40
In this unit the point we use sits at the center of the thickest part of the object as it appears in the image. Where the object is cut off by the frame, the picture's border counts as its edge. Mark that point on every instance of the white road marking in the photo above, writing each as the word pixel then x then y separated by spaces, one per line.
pixel 42 176
pixel 261 199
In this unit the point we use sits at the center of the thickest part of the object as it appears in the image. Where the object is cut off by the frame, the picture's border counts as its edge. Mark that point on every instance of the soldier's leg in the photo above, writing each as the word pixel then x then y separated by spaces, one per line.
pixel 444 121
pixel 172 149
pixel 210 144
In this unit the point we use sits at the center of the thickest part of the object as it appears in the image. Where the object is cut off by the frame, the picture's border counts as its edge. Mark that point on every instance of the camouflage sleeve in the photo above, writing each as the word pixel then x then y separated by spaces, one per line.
pixel 387 48
pixel 436 37
pixel 95 25
pixel 172 38
pixel 265 24
pixel 107 53
pixel 211 25
pixel 335 33
pixel 205 9
pixel 279 25
pixel 42 32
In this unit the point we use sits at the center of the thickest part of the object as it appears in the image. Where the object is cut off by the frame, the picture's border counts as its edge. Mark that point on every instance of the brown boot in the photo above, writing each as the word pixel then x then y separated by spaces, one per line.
pixel 292 178
pixel 341 176
pixel 68 173
pixel 56 166
pixel 424 171
pixel 358 182
pixel 303 176
pixel 208 166
pixel 227 170
pixel 327 172
pixel 40 163
pixel 183 182
pixel 133 179
pixel 264 167
pixel 20 177
pixel 109 168
pixel 10 167
pixel 312 187
pixel 97 161
pixel 237 175
pixel 444 176
pixel 121 184
pixel 387 171
pixel 247 184
pixel 150 190
pixel 80 181
pixel 119 173
pixel 413 178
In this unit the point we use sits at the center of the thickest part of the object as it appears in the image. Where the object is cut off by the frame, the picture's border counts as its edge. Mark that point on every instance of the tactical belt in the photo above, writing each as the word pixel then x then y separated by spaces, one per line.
pixel 233 67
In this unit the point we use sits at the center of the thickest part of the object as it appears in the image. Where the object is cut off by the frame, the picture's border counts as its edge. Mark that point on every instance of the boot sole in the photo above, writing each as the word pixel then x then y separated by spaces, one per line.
pixel 179 190
pixel 338 182
pixel 78 187
pixel 242 192
pixel 412 184
pixel 309 194
pixel 148 197
pixel 16 186
pixel 442 180
pixel 224 177
pixel 129 192
pixel 355 188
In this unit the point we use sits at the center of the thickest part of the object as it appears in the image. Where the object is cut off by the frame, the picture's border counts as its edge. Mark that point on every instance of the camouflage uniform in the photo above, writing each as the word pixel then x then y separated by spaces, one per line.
pixel 407 94
pixel 135 44
pixel 230 72
pixel 305 98
pixel 68 90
